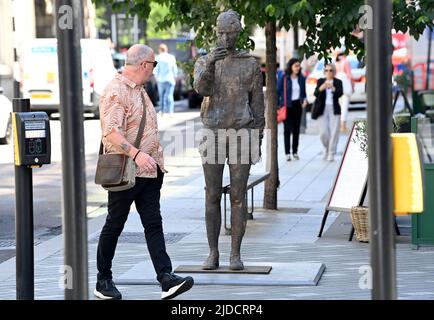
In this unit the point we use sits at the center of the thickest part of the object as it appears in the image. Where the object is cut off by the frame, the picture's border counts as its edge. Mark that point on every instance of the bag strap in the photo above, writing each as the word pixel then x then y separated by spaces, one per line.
pixel 141 128
pixel 284 90
pixel 142 124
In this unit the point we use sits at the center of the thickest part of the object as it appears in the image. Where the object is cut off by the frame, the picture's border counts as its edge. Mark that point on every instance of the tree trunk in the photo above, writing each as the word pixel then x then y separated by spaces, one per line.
pixel 295 30
pixel 270 192
pixel 145 30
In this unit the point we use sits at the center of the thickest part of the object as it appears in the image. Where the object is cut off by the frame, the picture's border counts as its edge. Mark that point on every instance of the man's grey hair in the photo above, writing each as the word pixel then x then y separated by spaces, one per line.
pixel 137 53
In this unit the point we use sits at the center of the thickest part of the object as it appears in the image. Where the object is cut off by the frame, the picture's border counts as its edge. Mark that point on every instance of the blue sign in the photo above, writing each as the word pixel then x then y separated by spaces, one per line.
pixel 44 49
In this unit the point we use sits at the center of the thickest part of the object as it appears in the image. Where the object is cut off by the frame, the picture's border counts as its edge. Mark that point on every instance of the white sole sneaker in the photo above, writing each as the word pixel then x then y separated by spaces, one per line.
pixel 101 296
pixel 177 290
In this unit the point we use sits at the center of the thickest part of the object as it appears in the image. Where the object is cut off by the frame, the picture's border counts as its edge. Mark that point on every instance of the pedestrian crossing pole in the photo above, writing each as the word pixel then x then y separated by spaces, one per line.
pixel 16 70
pixel 379 91
pixel 25 264
pixel 69 15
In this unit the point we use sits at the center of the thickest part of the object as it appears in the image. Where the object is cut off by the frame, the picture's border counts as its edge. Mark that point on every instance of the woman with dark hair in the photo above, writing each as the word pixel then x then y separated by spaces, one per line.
pixel 292 87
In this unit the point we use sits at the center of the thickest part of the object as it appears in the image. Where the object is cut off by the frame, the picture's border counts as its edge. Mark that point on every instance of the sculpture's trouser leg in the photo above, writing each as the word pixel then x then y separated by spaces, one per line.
pixel 213 181
pixel 239 175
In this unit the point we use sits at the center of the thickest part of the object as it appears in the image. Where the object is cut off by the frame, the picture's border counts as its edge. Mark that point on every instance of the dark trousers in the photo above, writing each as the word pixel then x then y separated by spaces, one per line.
pixel 292 126
pixel 146 195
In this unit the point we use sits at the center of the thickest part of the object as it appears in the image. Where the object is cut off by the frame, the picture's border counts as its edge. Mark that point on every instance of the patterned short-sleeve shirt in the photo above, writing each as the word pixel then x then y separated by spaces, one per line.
pixel 121 110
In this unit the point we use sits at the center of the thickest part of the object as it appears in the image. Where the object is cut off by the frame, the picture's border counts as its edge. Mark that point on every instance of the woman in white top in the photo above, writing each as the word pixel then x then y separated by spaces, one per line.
pixel 292 86
pixel 328 91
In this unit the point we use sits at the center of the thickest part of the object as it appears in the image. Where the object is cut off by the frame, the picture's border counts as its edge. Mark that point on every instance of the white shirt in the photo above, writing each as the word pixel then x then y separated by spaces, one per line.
pixel 166 69
pixel 329 95
pixel 295 89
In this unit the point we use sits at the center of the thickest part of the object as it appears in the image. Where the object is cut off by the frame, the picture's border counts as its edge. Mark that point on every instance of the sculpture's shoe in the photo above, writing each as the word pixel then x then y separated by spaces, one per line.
pixel 211 263
pixel 236 264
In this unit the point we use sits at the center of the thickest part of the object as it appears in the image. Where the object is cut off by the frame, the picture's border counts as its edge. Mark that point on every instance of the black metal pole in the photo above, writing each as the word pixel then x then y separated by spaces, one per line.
pixel 73 163
pixel 23 222
pixel 295 54
pixel 296 45
pixel 379 86
pixel 428 59
pixel 16 84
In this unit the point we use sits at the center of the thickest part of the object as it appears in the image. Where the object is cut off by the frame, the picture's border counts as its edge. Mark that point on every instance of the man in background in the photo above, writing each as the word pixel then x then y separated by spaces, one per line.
pixel 165 73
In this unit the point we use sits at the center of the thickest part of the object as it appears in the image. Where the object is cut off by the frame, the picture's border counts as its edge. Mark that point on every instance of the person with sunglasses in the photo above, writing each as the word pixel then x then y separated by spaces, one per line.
pixel 123 104
pixel 327 92
pixel 165 73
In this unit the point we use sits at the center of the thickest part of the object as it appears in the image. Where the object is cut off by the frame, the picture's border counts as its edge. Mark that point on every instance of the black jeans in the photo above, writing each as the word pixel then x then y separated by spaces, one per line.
pixel 292 126
pixel 146 195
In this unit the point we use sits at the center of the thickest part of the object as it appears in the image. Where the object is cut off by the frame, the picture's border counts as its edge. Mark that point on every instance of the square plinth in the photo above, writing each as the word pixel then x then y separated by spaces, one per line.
pixel 281 274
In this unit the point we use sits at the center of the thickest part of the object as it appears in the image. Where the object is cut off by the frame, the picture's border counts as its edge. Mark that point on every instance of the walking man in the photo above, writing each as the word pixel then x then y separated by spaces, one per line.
pixel 166 72
pixel 122 106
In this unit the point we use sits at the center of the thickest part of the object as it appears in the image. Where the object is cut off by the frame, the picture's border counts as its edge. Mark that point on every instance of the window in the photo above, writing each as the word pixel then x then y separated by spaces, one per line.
pixel 44 18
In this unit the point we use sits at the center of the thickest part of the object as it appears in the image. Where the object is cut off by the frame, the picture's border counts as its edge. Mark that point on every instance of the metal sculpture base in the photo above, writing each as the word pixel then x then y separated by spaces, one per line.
pixel 224 269
pixel 281 274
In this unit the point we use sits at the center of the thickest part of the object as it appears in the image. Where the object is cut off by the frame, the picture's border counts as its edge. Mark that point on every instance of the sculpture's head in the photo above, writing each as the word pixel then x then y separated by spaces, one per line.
pixel 228 29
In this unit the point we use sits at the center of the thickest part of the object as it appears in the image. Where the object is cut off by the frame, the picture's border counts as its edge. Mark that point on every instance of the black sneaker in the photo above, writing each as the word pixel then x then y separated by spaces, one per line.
pixel 106 289
pixel 173 285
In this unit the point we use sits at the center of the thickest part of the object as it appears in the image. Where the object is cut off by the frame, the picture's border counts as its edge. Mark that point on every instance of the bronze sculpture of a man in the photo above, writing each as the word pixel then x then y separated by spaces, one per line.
pixel 231 82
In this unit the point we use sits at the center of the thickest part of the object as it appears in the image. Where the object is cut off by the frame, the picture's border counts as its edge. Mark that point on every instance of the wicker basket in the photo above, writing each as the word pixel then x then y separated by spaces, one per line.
pixel 359 217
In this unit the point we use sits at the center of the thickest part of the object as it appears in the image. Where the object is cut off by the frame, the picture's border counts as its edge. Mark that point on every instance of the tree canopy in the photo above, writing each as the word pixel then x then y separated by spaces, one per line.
pixel 326 22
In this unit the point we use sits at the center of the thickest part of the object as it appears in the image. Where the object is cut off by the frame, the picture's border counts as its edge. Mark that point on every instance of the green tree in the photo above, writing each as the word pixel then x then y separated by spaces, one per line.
pixel 326 22
pixel 100 21
pixel 157 14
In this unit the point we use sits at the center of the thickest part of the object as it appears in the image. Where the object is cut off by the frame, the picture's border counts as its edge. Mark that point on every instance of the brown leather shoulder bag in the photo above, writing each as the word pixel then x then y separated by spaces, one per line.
pixel 115 171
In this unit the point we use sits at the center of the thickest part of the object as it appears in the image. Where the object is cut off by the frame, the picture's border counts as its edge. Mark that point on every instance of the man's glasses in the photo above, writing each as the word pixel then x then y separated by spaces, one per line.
pixel 152 62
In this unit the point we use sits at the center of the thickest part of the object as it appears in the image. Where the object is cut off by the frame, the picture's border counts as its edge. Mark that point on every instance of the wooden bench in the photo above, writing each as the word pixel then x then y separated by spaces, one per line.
pixel 253 181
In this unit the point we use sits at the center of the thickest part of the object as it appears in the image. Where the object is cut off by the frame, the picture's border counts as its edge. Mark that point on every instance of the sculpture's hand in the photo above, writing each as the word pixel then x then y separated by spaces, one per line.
pixel 218 54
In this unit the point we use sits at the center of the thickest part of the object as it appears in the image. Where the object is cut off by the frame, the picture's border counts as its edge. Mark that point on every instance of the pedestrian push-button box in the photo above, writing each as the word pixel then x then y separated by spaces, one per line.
pixel 32 143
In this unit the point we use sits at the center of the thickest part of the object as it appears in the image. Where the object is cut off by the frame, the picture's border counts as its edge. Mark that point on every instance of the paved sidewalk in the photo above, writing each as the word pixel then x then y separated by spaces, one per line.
pixel 286 235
